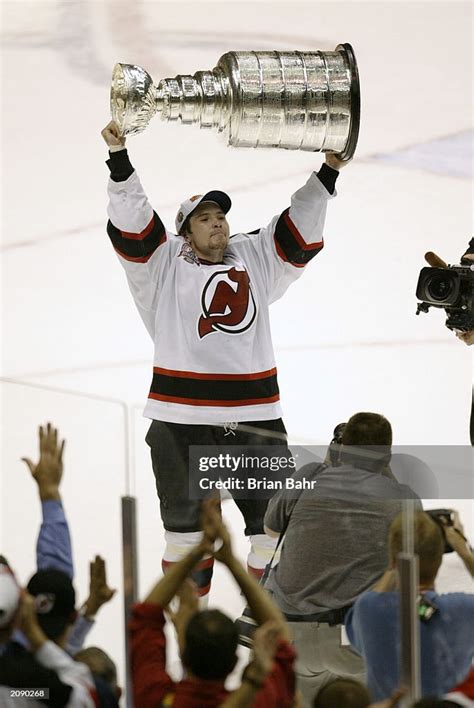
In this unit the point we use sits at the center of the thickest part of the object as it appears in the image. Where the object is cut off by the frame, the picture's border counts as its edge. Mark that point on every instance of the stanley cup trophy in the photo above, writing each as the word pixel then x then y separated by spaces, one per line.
pixel 293 100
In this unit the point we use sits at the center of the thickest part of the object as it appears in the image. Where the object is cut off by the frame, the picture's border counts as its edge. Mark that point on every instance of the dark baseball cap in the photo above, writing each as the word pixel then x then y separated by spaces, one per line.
pixel 55 600
pixel 187 207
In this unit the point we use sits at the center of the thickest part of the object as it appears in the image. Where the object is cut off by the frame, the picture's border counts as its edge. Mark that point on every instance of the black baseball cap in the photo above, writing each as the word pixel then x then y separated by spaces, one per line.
pixel 55 600
pixel 187 207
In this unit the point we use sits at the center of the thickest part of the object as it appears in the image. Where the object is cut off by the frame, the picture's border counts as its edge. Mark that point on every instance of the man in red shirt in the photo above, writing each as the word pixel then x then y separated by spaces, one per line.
pixel 208 640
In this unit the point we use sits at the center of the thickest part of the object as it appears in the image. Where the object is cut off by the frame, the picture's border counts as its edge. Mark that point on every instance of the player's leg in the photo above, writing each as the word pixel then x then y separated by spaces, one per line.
pixel 262 547
pixel 257 440
pixel 169 445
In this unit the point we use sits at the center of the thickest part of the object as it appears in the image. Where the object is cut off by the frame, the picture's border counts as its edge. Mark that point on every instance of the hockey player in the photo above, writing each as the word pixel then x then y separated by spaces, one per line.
pixel 203 296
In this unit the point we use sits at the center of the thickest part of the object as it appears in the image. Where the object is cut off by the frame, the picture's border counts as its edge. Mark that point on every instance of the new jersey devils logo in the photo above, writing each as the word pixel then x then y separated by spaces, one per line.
pixel 227 302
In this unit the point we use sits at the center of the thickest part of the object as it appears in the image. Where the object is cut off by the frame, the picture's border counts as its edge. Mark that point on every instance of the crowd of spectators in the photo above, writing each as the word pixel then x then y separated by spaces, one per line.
pixel 326 615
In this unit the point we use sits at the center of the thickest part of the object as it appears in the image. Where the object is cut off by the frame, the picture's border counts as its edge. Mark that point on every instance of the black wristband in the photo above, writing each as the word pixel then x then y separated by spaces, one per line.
pixel 328 176
pixel 119 165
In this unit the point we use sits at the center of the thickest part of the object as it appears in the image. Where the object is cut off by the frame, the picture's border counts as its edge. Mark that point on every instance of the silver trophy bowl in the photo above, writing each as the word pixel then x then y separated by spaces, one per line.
pixel 293 100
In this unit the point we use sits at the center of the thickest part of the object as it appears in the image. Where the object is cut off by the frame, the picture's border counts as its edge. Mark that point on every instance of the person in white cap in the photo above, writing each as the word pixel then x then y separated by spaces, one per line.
pixel 203 296
pixel 35 671
pixel 9 599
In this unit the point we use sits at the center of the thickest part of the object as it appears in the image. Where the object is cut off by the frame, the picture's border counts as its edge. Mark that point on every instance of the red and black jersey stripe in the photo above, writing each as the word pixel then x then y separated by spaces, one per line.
pixel 138 247
pixel 196 389
pixel 290 245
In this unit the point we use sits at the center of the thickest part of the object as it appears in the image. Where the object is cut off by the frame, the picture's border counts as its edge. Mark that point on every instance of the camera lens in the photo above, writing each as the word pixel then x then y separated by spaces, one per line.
pixel 440 287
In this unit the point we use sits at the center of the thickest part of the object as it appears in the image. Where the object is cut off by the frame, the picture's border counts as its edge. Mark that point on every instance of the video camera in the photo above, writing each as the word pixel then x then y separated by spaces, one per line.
pixel 451 288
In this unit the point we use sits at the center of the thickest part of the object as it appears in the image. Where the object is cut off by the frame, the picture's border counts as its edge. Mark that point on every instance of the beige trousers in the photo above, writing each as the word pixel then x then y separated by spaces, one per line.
pixel 322 657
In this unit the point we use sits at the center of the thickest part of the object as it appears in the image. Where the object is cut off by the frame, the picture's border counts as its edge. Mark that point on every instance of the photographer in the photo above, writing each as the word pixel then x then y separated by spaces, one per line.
pixel 335 547
pixel 454 535
pixel 456 315
pixel 446 621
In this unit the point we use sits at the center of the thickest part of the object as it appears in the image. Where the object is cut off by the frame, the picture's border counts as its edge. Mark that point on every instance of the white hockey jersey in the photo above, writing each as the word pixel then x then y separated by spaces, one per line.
pixel 214 359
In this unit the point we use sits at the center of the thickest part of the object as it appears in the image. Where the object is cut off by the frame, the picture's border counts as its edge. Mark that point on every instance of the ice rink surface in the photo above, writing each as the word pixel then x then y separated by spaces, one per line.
pixel 346 336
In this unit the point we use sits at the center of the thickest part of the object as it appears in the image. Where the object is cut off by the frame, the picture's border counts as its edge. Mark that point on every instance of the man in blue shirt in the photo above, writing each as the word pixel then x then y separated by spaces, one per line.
pixel 54 548
pixel 446 637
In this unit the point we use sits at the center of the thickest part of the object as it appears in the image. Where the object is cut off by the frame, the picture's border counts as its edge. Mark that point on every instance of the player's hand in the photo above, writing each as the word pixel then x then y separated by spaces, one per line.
pixel 48 471
pixel 332 160
pixel 111 135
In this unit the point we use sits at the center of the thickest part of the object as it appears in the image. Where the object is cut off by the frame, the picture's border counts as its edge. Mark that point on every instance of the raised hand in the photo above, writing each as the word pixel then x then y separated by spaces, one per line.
pixel 215 530
pixel 99 591
pixel 332 160
pixel 48 471
pixel 111 135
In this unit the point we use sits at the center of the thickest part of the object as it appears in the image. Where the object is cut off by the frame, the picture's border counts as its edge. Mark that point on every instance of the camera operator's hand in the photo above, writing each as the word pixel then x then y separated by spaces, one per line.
pixel 466 337
pixel 435 261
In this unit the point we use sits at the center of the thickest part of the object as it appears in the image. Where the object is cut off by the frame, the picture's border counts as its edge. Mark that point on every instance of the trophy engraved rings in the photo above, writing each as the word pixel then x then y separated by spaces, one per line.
pixel 293 100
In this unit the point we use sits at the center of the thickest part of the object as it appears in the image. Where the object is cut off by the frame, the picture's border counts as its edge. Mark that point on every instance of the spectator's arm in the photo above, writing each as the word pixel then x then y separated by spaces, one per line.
pixel 150 681
pixel 169 585
pixel 78 634
pixel 261 605
pixel 99 591
pixel 99 594
pixel 53 549
pixel 188 606
pixel 265 680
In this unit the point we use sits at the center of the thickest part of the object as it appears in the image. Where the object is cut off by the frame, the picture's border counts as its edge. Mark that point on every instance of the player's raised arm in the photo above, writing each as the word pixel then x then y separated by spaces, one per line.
pixel 295 236
pixel 136 231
